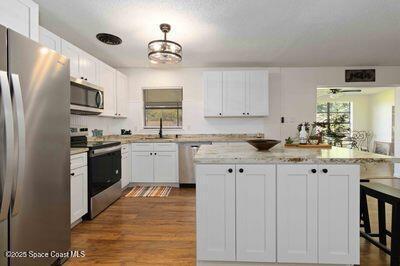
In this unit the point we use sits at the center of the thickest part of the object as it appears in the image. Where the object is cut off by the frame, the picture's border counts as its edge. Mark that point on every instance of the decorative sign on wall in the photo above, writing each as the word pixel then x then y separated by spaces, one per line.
pixel 360 75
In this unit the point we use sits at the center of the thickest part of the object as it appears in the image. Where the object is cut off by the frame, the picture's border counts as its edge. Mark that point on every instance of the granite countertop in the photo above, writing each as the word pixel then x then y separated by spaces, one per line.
pixel 245 153
pixel 125 139
pixel 78 150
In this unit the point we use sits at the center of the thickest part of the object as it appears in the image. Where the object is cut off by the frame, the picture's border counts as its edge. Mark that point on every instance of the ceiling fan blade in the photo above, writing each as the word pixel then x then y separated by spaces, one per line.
pixel 351 91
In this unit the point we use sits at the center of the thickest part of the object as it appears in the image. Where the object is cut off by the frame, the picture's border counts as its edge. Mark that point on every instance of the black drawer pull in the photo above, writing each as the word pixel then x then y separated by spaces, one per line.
pixel 72 174
pixel 241 170
pixel 324 171
pixel 230 170
pixel 151 153
pixel 313 171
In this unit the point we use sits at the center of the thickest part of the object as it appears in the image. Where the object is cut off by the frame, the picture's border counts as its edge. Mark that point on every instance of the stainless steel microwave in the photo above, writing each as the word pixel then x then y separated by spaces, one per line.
pixel 86 98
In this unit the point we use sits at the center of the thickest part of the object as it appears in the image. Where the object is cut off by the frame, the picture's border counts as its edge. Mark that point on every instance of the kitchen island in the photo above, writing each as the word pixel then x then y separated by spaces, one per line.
pixel 286 205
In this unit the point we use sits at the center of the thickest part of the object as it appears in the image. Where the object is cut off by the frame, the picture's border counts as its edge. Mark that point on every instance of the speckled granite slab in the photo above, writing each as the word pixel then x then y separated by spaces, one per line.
pixel 78 150
pixel 181 138
pixel 234 153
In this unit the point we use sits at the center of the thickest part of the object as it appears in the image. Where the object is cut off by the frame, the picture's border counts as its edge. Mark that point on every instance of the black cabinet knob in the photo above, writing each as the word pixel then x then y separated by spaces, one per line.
pixel 220 113
pixel 230 170
pixel 241 170
pixel 72 174
pixel 325 171
pixel 244 113
pixel 155 153
pixel 313 171
pixel 248 113
pixel 151 153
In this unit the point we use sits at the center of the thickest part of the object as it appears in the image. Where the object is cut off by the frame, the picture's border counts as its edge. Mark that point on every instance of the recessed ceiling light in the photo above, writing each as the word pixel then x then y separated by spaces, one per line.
pixel 164 51
pixel 109 38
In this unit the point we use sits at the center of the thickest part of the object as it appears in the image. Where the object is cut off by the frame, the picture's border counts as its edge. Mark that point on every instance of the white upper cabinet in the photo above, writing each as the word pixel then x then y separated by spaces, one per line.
pixel 257 100
pixel 297 213
pixel 49 39
pixel 73 53
pixel 88 67
pixel 338 226
pixel 255 213
pixel 122 95
pixel 107 80
pixel 212 82
pixel 236 93
pixel 82 64
pixel 21 16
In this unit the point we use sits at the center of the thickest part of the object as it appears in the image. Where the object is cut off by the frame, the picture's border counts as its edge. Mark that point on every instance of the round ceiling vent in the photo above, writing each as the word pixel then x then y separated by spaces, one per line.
pixel 109 38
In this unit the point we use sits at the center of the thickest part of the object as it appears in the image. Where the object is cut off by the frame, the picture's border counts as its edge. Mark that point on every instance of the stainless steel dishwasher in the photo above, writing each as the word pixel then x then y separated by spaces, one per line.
pixel 187 150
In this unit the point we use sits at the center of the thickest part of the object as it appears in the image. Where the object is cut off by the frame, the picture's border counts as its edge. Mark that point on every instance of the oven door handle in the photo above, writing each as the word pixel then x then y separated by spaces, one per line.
pixel 102 151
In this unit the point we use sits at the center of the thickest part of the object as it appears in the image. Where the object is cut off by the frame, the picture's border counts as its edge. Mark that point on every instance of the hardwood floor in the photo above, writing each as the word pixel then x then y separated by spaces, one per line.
pixel 159 231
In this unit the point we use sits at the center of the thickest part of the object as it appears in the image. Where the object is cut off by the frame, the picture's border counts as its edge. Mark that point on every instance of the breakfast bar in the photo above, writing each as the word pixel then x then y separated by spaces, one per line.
pixel 285 205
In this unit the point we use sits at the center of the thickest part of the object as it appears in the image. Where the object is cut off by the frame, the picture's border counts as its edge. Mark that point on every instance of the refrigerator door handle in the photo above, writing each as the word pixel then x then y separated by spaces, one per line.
pixel 7 172
pixel 20 166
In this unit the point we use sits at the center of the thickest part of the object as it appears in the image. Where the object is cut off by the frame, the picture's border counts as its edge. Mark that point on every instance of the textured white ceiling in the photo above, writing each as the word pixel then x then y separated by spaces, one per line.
pixel 235 32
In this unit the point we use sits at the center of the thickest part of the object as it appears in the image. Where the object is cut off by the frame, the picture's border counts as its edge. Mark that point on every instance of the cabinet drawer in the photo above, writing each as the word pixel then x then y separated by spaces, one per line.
pixel 125 148
pixel 142 146
pixel 164 146
pixel 78 160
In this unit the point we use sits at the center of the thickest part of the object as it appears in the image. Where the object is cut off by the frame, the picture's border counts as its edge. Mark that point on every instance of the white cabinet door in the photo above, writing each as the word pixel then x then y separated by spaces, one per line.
pixel 215 210
pixel 165 167
pixel 87 67
pixel 73 53
pixel 122 95
pixel 257 93
pixel 126 169
pixel 234 93
pixel 212 83
pixel 297 213
pixel 256 213
pixel 49 39
pixel 142 167
pixel 21 16
pixel 107 76
pixel 79 190
pixel 338 214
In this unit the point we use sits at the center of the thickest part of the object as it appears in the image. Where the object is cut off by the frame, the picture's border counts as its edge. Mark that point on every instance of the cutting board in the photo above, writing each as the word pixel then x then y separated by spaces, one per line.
pixel 305 146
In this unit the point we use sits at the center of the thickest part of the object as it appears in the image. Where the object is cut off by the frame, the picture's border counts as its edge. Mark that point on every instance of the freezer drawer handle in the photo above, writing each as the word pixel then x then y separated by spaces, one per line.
pixel 6 180
pixel 20 166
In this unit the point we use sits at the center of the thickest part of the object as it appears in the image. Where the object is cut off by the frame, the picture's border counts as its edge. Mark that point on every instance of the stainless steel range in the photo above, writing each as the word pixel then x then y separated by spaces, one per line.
pixel 104 173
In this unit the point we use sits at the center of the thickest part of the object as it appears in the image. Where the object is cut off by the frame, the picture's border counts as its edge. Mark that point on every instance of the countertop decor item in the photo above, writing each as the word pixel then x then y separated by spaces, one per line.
pixel 97 132
pixel 263 144
pixel 164 51
pixel 303 135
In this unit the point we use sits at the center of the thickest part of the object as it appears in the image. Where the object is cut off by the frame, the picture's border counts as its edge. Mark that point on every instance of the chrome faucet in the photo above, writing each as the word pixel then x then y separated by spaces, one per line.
pixel 160 132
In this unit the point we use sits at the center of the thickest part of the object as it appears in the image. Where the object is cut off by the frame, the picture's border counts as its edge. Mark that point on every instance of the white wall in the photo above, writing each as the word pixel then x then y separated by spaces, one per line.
pixel 292 95
pixel 381 115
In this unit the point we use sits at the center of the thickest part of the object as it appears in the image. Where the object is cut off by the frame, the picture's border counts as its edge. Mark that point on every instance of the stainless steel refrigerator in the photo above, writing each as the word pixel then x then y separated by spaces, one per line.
pixel 34 150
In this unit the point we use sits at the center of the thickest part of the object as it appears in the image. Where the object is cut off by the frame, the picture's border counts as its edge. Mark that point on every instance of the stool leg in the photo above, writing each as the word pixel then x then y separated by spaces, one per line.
pixel 382 222
pixel 395 248
pixel 364 212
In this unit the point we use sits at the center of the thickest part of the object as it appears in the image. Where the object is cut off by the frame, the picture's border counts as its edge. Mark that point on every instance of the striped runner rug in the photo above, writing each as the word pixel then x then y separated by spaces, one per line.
pixel 153 191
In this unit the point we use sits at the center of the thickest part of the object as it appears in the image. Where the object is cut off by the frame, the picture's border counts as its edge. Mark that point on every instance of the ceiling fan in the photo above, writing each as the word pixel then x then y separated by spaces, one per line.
pixel 334 93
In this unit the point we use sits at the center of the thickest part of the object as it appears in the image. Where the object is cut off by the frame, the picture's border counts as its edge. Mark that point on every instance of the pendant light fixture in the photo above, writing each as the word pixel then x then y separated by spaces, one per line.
pixel 164 51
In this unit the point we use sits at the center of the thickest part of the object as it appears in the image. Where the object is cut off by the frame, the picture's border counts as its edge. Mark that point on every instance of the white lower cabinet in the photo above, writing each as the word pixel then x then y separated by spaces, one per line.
pixel 316 209
pixel 155 163
pixel 255 213
pixel 165 167
pixel 215 210
pixel 338 235
pixel 142 166
pixel 126 168
pixel 297 209
pixel 79 187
